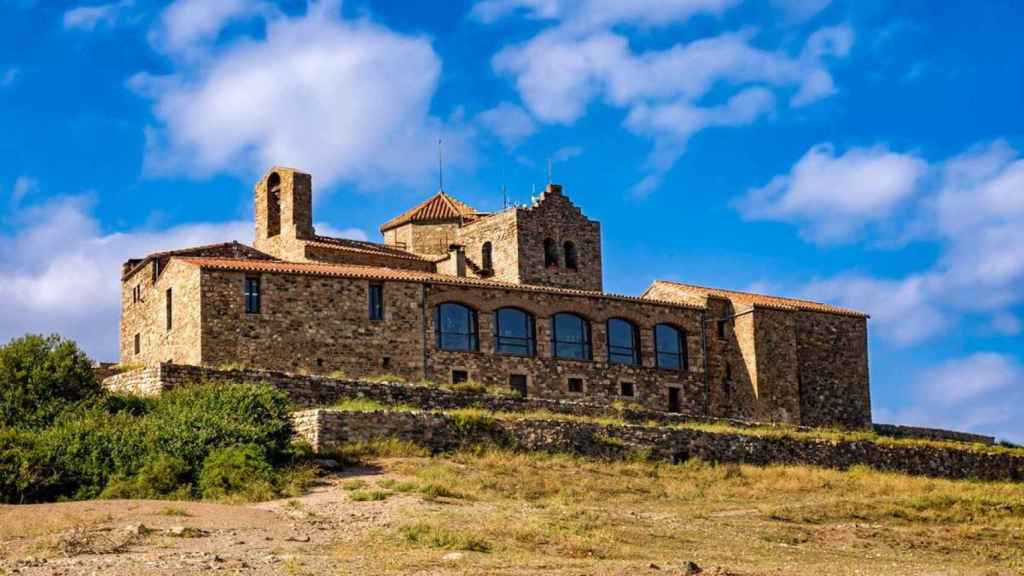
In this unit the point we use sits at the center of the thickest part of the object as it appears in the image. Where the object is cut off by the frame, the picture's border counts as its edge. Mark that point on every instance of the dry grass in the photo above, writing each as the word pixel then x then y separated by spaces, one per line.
pixel 526 514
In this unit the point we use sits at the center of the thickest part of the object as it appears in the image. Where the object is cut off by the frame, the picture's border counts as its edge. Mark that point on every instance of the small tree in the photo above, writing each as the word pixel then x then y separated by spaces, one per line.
pixel 40 376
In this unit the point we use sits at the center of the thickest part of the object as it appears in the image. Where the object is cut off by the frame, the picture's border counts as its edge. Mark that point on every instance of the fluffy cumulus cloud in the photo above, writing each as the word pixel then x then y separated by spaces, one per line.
pixel 186 27
pixel 510 123
pixel 347 100
pixel 970 205
pixel 832 196
pixel 585 57
pixel 982 392
pixel 59 270
pixel 90 17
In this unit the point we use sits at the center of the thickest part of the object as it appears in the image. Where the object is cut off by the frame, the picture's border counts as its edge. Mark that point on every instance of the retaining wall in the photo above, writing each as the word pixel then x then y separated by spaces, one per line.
pixel 329 429
pixel 319 391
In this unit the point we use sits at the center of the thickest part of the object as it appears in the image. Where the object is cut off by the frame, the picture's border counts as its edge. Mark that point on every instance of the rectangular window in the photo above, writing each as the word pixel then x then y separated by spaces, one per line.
pixel 376 301
pixel 575 385
pixel 136 294
pixel 518 384
pixel 252 295
pixel 156 270
pixel 626 389
pixel 169 309
pixel 721 329
pixel 138 344
pixel 460 376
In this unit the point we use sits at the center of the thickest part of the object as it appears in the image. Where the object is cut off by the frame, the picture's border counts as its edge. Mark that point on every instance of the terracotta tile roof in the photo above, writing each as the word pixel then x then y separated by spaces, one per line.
pixel 237 249
pixel 363 247
pixel 761 300
pixel 402 275
pixel 438 207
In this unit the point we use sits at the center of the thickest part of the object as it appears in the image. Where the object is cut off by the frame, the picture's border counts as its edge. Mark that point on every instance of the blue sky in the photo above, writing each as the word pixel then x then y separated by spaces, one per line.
pixel 864 153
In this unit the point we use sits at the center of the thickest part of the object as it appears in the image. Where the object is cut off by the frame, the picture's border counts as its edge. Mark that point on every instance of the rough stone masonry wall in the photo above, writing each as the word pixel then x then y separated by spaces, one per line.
pixel 316 390
pixel 328 430
pixel 833 354
pixel 501 231
pixel 547 377
pixel 554 216
pixel 148 317
pixel 316 324
pixel 778 389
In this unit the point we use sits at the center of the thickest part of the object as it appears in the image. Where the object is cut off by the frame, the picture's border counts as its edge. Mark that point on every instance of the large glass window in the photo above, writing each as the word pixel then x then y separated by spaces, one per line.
pixel 570 336
pixel 514 332
pixel 623 342
pixel 670 344
pixel 456 327
pixel 252 295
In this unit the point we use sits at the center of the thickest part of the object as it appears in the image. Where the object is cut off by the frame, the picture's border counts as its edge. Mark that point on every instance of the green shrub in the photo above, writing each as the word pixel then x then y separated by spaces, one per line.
pixel 237 472
pixel 191 421
pixel 369 495
pixel 438 537
pixel 40 377
pixel 24 474
pixel 161 476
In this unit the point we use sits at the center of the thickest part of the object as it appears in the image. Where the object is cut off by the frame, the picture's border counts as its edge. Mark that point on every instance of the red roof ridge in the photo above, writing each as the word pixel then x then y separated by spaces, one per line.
pixel 440 206
pixel 397 274
pixel 767 301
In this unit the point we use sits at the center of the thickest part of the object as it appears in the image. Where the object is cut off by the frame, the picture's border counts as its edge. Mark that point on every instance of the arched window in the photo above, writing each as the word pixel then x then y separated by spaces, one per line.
pixel 670 347
pixel 570 336
pixel 456 327
pixel 514 332
pixel 623 342
pixel 569 249
pixel 273 204
pixel 550 253
pixel 486 260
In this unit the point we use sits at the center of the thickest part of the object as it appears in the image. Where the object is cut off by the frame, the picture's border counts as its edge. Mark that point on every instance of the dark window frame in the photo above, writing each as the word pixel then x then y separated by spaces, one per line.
pixel 138 343
pixel 550 253
pixel 169 308
pixel 253 294
pixel 472 337
pixel 627 385
pixel 570 255
pixel 682 357
pixel 569 381
pixel 586 346
pixel 376 301
pixel 487 256
pixel 617 354
pixel 508 344
pixel 462 379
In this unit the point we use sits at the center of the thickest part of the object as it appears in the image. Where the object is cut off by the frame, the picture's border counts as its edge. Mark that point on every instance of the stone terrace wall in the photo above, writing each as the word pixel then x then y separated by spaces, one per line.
pixel 316 390
pixel 438 433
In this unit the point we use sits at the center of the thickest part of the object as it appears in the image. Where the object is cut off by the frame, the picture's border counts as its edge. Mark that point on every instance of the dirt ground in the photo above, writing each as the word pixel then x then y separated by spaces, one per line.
pixel 331 531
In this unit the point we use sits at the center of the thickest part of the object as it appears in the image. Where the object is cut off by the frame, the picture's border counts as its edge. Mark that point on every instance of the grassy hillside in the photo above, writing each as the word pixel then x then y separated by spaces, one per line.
pixel 510 513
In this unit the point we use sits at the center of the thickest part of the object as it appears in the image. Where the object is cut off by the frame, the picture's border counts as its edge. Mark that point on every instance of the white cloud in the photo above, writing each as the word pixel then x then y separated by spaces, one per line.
pixel 982 392
pixel 9 77
pixel 346 100
pixel 832 197
pixel 601 13
pixel 560 72
pixel 59 272
pixel 23 186
pixel 509 122
pixel 187 26
pixel 566 153
pixel 971 205
pixel 800 10
pixel 89 17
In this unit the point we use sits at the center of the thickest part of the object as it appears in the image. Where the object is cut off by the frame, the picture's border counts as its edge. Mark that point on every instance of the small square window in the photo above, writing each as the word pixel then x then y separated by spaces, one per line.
pixel 575 385
pixel 386 362
pixel 626 389
pixel 460 376
pixel 518 384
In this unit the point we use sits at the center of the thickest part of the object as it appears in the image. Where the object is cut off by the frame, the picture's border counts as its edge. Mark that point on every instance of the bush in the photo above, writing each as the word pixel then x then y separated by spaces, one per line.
pixel 24 474
pixel 238 472
pixel 190 421
pixel 161 476
pixel 40 377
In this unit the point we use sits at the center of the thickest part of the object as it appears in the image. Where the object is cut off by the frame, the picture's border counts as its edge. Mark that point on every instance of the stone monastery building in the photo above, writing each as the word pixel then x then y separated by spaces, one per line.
pixel 512 299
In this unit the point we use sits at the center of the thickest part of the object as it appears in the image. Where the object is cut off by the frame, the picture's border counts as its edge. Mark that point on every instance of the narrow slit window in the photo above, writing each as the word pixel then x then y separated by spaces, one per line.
pixel 170 309
pixel 376 301
pixel 252 295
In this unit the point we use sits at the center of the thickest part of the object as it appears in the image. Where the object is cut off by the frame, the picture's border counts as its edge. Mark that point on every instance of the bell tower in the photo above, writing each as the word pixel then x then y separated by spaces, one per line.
pixel 284 208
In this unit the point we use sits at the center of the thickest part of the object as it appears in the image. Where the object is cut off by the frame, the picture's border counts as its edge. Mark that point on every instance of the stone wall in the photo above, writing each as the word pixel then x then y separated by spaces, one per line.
pixel 501 231
pixel 833 353
pixel 317 390
pixel 554 216
pixel 147 317
pixel 328 430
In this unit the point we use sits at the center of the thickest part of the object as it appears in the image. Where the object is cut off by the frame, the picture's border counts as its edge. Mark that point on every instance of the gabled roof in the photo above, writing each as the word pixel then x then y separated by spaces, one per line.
pixel 763 300
pixel 363 247
pixel 438 208
pixel 232 249
pixel 402 275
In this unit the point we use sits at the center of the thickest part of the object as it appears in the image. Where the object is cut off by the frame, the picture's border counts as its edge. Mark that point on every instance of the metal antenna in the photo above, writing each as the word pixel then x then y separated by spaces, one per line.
pixel 440 167
pixel 549 170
